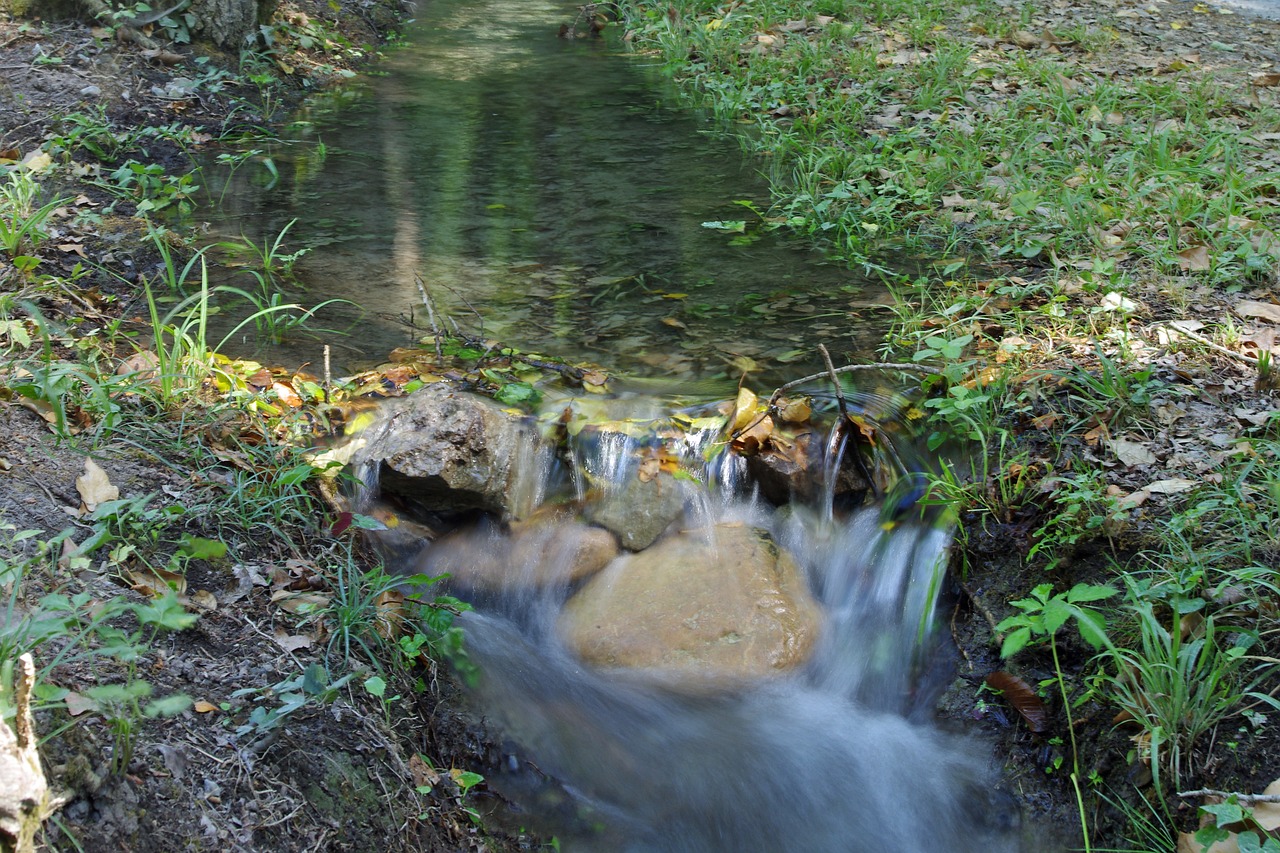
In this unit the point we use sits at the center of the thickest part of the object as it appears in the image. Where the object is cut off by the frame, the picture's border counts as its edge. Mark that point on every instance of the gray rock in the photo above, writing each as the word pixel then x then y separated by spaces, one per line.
pixel 638 511
pixel 450 450
pixel 701 607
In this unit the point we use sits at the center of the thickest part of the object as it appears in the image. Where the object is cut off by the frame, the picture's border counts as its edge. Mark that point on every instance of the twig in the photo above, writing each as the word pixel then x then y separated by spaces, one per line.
pixel 835 381
pixel 1243 799
pixel 848 368
pixel 431 317
pixel 328 377
pixel 1238 356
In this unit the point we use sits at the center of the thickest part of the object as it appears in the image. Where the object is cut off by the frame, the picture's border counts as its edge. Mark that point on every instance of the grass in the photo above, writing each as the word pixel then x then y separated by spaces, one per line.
pixel 889 124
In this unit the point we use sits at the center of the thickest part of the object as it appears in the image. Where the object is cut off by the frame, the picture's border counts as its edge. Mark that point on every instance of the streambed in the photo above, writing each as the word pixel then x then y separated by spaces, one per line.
pixel 545 193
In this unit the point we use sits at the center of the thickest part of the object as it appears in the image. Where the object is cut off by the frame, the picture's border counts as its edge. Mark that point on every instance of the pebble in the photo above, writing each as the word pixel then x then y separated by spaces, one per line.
pixel 91 92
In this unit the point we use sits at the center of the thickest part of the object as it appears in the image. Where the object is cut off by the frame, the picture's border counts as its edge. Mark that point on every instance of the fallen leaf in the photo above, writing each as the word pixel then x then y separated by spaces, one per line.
pixel 1258 310
pixel 77 704
pixel 291 642
pixel 1024 39
pixel 1195 259
pixel 1023 699
pixel 287 395
pixel 204 600
pixel 155 583
pixel 1171 486
pixel 203 707
pixel 1265 80
pixel 300 603
pixel 95 486
pixel 1131 453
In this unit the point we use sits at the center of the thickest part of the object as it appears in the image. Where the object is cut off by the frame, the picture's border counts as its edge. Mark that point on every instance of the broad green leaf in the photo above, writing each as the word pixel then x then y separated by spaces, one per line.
pixel 1015 642
pixel 1089 592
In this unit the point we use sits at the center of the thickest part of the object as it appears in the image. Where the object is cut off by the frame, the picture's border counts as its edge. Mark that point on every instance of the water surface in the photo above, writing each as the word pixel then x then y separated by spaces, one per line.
pixel 549 193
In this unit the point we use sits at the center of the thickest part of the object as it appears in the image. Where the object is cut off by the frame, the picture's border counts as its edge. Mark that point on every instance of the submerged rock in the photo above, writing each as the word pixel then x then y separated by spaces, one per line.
pixel 544 552
pixel 725 604
pixel 639 510
pixel 450 450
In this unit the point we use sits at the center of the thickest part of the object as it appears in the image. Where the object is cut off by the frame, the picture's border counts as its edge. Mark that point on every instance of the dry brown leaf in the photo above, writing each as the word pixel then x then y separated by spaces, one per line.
pixel 1265 80
pixel 1024 39
pixel 290 397
pixel 95 486
pixel 291 642
pixel 390 620
pixel 1023 699
pixel 155 582
pixel 1131 453
pixel 1171 486
pixel 77 704
pixel 203 707
pixel 750 441
pixel 203 600
pixel 1194 259
pixel 300 603
pixel 1258 310
pixel 143 364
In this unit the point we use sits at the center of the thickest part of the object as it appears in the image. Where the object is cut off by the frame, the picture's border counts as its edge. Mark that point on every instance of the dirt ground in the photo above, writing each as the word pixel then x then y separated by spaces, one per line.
pixel 344 771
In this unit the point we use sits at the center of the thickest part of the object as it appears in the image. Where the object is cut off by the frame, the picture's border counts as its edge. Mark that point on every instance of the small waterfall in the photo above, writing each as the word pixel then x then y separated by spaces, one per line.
pixel 835 754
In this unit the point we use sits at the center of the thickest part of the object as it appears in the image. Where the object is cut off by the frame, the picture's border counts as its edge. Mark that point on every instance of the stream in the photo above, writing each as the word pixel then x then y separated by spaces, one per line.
pixel 551 194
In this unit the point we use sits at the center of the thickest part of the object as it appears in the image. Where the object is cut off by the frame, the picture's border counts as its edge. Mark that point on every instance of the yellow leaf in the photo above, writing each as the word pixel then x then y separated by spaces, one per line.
pixel 715 24
pixel 94 486
pixel 38 161
pixel 1176 25
pixel 744 411
pixel 203 707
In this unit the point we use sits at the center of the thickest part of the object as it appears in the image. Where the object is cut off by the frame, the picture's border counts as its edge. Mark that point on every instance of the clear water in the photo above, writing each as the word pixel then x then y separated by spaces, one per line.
pixel 555 187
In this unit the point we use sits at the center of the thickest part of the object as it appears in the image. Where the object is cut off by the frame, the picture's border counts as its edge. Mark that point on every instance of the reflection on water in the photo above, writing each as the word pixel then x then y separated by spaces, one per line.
pixel 550 196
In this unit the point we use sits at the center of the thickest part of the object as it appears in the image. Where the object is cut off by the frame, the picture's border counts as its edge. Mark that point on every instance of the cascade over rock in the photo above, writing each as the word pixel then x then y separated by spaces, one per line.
pixel 450 450
pixel 639 510
pixel 722 605
pixel 794 471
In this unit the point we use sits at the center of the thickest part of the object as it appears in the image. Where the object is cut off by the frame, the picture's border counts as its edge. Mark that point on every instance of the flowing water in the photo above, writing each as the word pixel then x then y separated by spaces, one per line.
pixel 551 188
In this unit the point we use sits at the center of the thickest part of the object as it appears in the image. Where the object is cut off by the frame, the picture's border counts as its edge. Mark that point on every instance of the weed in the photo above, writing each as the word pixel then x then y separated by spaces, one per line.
pixel 22 223
pixel 1182 681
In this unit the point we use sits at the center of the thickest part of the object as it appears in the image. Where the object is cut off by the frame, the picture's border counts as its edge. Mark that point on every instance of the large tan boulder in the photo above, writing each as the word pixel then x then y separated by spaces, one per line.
pixel 714 606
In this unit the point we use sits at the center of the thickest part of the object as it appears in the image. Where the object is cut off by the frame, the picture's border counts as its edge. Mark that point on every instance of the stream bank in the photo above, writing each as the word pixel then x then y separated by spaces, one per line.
pixel 271 741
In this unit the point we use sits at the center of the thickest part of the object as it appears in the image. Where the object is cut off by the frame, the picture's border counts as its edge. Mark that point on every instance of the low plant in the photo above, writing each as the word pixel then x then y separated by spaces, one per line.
pixel 1041 617
pixel 1234 817
pixel 1179 682
pixel 22 220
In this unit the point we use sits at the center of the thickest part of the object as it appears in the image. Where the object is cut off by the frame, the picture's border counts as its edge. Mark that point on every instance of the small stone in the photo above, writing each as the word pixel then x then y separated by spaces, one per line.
pixel 91 92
